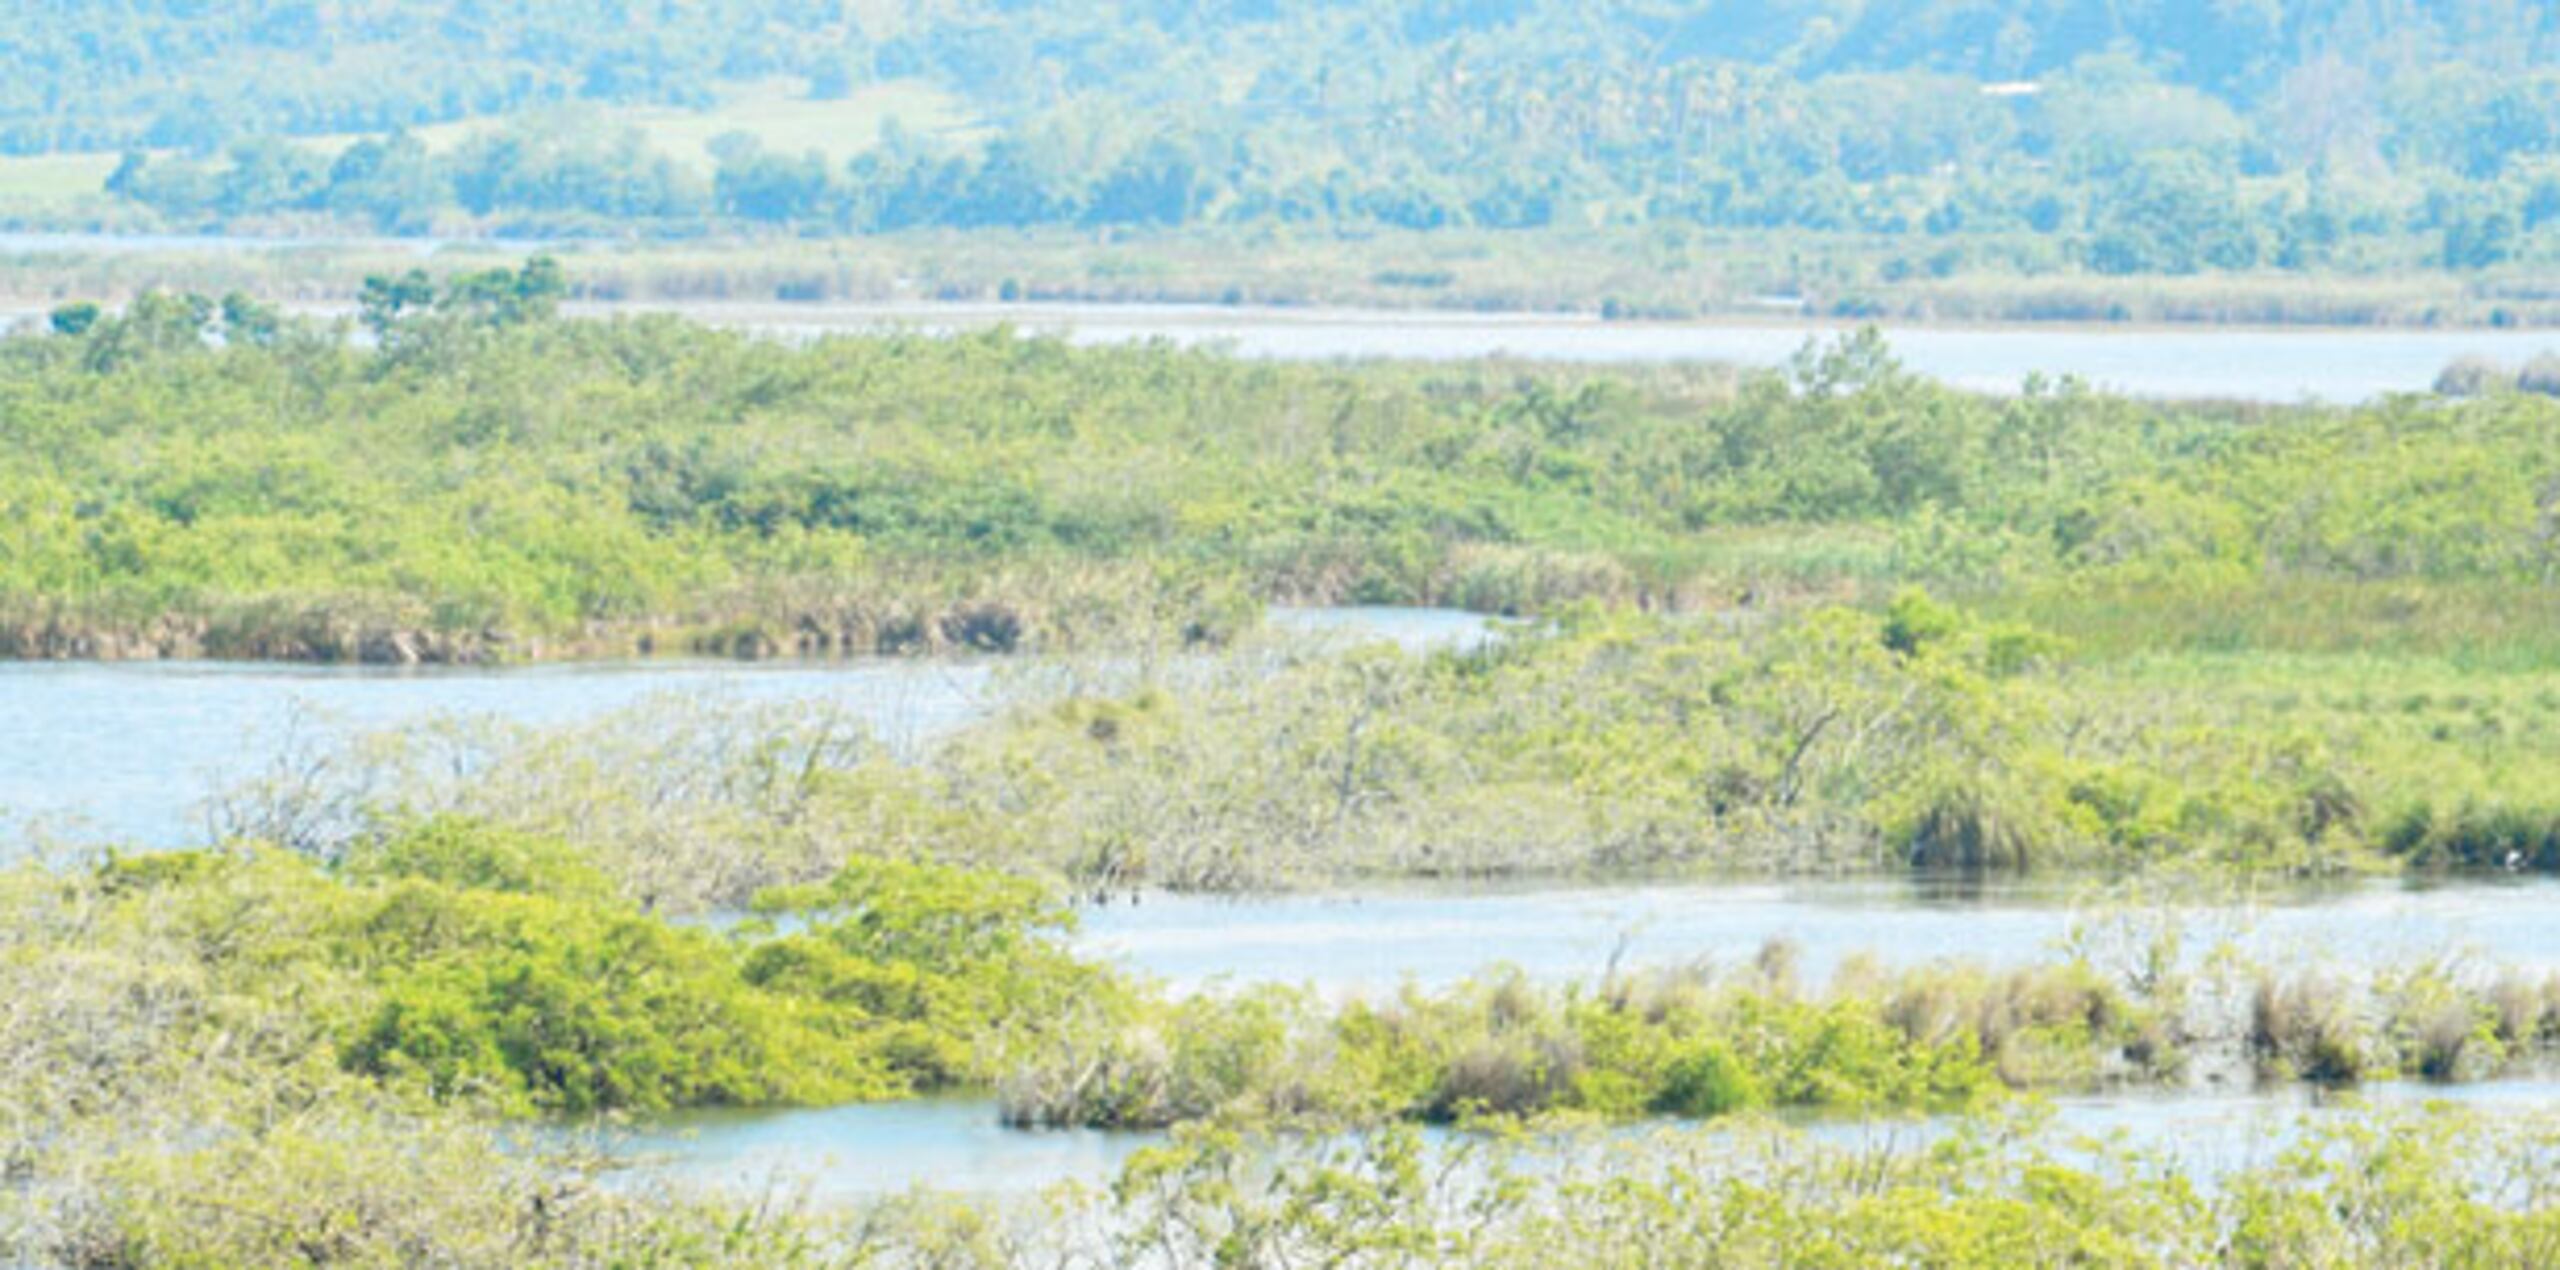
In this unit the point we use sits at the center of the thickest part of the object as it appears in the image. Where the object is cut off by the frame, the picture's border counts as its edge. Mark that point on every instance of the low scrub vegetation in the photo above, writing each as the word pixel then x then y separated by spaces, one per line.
pixel 1837 740
pixel 2175 639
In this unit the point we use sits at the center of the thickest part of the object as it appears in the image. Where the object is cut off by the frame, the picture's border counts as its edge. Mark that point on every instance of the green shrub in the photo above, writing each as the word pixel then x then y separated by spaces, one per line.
pixel 472 855
pixel 1707 1081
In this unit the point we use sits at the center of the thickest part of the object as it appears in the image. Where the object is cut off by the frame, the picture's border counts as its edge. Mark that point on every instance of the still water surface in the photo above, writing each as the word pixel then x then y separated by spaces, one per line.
pixel 2237 363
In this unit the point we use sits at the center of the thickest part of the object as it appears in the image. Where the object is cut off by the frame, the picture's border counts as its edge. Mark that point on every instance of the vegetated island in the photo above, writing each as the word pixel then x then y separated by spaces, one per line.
pixel 476 479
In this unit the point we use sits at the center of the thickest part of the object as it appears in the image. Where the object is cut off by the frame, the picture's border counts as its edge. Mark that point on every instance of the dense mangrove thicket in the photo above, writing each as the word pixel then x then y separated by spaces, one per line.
pixel 484 481
pixel 1838 740
pixel 462 964
pixel 458 966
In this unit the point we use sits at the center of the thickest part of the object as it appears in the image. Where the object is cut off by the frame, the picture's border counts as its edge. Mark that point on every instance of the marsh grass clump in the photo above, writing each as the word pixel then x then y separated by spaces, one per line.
pixel 2435 1020
pixel 1968 827
pixel 1509 1073
pixel 1140 1061
pixel 2311 1027
pixel 2526 1010
pixel 2541 375
pixel 2448 1039
pixel 2039 1027
pixel 2472 377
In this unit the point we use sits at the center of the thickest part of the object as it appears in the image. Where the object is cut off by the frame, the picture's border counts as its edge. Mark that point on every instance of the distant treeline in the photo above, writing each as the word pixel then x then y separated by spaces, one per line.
pixel 2165 138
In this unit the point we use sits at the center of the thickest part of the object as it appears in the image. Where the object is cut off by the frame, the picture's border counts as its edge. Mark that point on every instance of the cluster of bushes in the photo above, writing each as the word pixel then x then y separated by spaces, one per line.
pixel 1836 740
pixel 469 963
pixel 2475 376
pixel 212 1053
pixel 2436 1187
pixel 1689 1044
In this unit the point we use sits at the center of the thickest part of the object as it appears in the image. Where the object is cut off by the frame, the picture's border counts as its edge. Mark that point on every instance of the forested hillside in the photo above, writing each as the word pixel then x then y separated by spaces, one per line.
pixel 2115 136
pixel 83 75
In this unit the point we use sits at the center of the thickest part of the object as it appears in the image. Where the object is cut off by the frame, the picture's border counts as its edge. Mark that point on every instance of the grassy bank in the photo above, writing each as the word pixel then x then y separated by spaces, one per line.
pixel 1629 273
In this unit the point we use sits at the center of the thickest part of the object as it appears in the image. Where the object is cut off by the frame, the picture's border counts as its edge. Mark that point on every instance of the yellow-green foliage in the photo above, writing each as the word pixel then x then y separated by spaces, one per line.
pixel 2435 1187
pixel 469 855
pixel 470 963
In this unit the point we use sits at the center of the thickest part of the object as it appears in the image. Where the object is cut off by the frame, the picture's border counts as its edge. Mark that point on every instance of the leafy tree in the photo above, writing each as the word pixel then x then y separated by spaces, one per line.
pixel 75 319
pixel 2171 212
pixel 759 186
pixel 392 182
pixel 387 298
